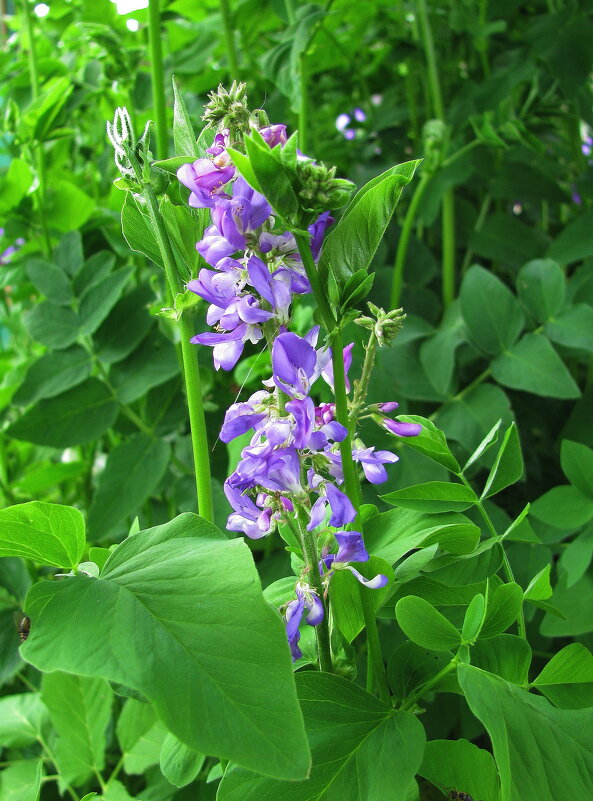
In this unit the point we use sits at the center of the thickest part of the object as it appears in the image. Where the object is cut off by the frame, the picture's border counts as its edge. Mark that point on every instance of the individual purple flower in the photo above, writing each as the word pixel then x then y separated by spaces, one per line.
pixel 306 599
pixel 219 289
pixel 274 469
pixel 296 364
pixel 359 115
pixel 351 548
pixel 205 180
pixel 213 247
pixel 6 255
pixel 254 522
pixel 402 429
pixel 342 510
pixel 239 321
pixel 274 134
pixel 372 463
pixel 241 417
pixel 273 288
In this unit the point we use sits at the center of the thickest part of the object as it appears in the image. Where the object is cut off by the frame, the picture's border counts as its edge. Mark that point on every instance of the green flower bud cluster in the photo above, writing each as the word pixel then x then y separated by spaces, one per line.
pixel 227 108
pixel 385 325
pixel 434 137
pixel 320 189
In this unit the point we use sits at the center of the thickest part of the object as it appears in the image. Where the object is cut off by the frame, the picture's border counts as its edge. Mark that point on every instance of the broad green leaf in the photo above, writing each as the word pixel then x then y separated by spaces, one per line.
pixel 505 655
pixel 425 625
pixel 51 280
pixel 52 325
pixel 244 166
pixel 484 446
pixel 433 496
pixel 412 666
pixel 567 679
pixel 68 253
pixel 125 327
pixel 577 465
pixel 469 419
pixel 179 764
pixel 15 184
pixel 80 709
pixel 79 415
pixel 68 207
pixel 575 604
pixel 219 661
pixel 504 605
pixel 98 299
pixel 152 363
pixel 491 313
pixel 576 557
pixel 541 287
pixel 563 507
pixel 345 594
pixel 573 327
pixel 184 138
pixel 430 441
pixel 533 365
pixel 470 568
pixel 21 781
pixel 520 530
pixel 361 749
pixel 137 230
pixel 474 617
pixel 574 241
pixel 272 177
pixel 133 470
pixel 140 735
pixel 462 766
pixel 437 354
pixel 53 373
pixel 412 565
pixel 47 533
pixel 22 720
pixel 94 270
pixel 439 594
pixel 542 753
pixel 539 588
pixel 45 475
pixel 38 117
pixel 352 244
pixel 508 465
pixel 504 238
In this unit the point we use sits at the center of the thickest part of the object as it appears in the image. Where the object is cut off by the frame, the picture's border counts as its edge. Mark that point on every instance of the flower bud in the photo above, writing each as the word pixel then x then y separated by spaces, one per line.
pixel 228 108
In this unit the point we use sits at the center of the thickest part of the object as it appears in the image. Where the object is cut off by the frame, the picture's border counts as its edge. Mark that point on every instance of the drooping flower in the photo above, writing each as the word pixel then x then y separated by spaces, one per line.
pixel 342 510
pixel 401 428
pixel 351 548
pixel 306 599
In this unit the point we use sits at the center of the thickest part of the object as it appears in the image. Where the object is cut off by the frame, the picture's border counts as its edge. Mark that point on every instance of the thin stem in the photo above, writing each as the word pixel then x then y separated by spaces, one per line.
pixel 448 237
pixel 411 699
pixel 431 62
pixel 351 482
pixel 377 674
pixel 311 558
pixel 475 383
pixel 191 367
pixel 157 78
pixel 481 219
pixel 229 35
pixel 404 240
pixel 361 387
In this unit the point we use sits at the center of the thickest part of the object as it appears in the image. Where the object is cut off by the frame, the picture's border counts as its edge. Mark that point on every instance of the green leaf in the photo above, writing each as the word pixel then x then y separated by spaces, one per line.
pixel 504 238
pixel 219 662
pixel 505 655
pixel 430 441
pixel 244 166
pixel 412 666
pixel 133 470
pixel 140 735
pixel 38 117
pixel 352 244
pixel 361 749
pixel 462 766
pixel 539 588
pixel 80 709
pixel 52 325
pixel 51 280
pixel 491 313
pixel 508 465
pixel 470 568
pixel 94 270
pixel 468 419
pixel 98 299
pixel 504 605
pixel 173 164
pixel 345 593
pixel 68 253
pixel 573 327
pixel 125 327
pixel 151 364
pixel 137 230
pixel 272 176
pixel 76 416
pixel 15 185
pixel 22 720
pixel 41 476
pixel 567 679
pixel 425 625
pixel 437 354
pixel 541 287
pixel 574 241
pixel 184 138
pixel 179 764
pixel 53 373
pixel 21 781
pixel 47 533
pixel 474 617
pixel 523 727
pixel 433 496
pixel 484 446
pixel 68 207
pixel 534 366
pixel 576 557
pixel 577 465
pixel 575 604
pixel 563 507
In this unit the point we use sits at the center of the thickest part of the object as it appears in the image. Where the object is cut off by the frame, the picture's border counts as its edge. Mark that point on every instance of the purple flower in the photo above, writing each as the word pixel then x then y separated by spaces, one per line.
pixel 246 517
pixel 342 511
pixel 274 288
pixel 328 372
pixel 306 599
pixel 274 134
pixel 205 180
pixel 275 469
pixel 351 548
pixel 213 247
pixel 359 115
pixel 402 429
pixel 219 289
pixel 372 463
pixel 240 417
pixel 239 321
pixel 296 364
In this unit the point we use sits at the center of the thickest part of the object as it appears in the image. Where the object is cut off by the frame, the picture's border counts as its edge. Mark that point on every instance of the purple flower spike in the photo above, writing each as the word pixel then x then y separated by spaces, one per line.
pixel 402 429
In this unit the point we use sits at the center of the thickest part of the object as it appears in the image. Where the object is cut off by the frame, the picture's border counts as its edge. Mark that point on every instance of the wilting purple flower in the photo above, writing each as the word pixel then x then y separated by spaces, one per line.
pixel 372 463
pixel 205 180
pixel 351 548
pixel 342 511
pixel 296 364
pixel 402 429
pixel 306 599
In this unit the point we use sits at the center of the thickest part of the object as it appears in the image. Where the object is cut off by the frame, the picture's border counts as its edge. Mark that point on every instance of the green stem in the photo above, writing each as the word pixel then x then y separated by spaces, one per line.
pixel 351 482
pixel 415 696
pixel 377 674
pixel 361 387
pixel 475 383
pixel 431 62
pixel 482 214
pixel 448 238
pixel 229 35
pixel 404 240
pixel 191 367
pixel 311 558
pixel 157 78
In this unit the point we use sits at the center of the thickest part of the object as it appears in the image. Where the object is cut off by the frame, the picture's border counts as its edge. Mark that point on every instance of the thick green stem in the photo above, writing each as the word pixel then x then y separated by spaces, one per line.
pixel 229 35
pixel 311 558
pixel 190 365
pixel 448 239
pixel 404 240
pixel 157 78
pixel 304 122
pixel 431 62
pixel 377 675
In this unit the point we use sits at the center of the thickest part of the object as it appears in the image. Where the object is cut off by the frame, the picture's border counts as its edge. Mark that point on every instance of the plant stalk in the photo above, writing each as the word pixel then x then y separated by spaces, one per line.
pixel 157 78
pixel 229 35
pixel 404 240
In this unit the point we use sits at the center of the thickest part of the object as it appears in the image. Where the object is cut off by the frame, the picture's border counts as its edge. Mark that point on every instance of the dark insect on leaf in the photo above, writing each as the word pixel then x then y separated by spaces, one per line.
pixel 456 795
pixel 23 627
